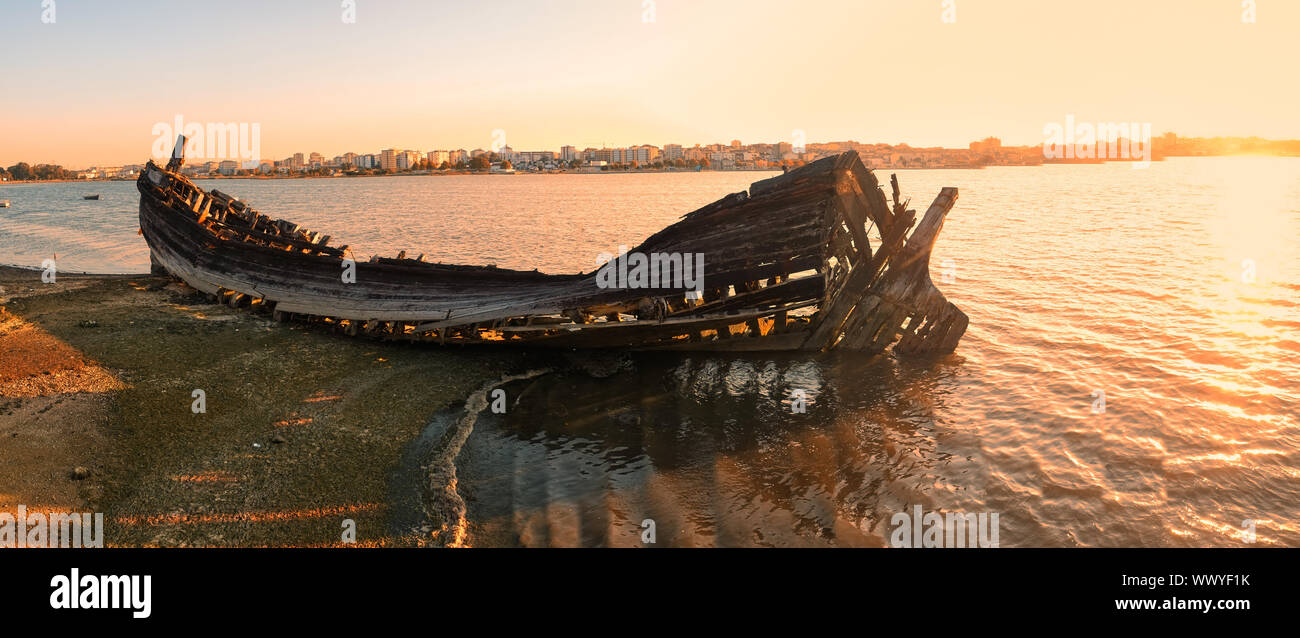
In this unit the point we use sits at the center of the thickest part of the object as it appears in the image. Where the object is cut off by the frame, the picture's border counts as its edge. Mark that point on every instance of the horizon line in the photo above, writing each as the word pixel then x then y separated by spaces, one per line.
pixel 5 164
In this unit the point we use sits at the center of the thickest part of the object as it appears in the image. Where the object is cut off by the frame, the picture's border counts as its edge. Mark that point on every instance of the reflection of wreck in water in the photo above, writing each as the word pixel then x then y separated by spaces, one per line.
pixel 790 266
pixel 708 447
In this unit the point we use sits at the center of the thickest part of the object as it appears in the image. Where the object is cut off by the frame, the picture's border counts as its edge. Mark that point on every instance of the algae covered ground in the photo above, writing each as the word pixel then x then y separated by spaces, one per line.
pixel 299 431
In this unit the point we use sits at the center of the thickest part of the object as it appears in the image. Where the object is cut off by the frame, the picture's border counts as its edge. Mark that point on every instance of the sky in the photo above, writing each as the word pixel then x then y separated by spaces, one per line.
pixel 89 88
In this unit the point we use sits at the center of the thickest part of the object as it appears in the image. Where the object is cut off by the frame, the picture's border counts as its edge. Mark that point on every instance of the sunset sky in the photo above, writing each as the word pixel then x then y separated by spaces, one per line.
pixel 426 75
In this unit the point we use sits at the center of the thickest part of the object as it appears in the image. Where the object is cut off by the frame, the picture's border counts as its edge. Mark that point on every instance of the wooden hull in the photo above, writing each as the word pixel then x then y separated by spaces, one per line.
pixel 788 265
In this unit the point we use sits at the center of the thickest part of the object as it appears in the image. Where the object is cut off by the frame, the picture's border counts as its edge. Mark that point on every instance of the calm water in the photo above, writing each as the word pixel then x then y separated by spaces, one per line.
pixel 1077 279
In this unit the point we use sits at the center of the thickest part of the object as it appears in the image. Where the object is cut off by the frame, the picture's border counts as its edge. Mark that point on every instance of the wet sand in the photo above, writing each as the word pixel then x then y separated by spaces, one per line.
pixel 302 428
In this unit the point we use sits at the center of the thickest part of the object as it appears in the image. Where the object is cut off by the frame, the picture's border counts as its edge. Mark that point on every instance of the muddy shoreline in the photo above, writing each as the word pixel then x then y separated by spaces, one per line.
pixel 301 429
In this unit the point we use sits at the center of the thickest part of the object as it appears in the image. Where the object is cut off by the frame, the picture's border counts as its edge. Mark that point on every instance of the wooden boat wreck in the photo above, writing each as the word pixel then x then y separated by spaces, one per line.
pixel 814 259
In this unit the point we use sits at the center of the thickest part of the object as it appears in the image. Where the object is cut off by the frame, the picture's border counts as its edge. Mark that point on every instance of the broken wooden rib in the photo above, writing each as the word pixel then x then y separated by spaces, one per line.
pixel 789 265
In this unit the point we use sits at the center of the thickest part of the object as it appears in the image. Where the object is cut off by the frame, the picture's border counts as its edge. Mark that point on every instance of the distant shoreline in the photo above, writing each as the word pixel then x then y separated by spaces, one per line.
pixel 450 173
pixel 499 173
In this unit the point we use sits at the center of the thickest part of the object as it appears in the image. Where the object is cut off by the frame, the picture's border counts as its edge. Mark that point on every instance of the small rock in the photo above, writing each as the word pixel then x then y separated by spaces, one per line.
pixel 277 439
pixel 89 323
pixel 80 473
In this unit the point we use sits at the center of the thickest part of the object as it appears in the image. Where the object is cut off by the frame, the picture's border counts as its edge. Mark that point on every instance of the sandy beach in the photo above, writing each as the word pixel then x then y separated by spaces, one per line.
pixel 301 431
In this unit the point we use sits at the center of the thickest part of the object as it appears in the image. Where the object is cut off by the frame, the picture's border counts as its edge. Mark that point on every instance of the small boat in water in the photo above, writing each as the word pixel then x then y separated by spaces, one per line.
pixel 95 196
pixel 789 264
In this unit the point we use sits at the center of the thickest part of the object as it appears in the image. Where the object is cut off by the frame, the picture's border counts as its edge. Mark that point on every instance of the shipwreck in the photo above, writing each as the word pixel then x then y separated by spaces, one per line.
pixel 788 265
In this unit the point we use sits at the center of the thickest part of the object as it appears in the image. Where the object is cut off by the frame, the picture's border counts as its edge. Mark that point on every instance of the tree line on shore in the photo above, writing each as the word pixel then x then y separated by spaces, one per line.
pixel 22 171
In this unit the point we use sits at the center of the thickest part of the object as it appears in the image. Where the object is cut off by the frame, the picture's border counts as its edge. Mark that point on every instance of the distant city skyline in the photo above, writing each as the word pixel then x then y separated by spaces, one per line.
pixel 597 73
pixel 144 155
pixel 306 155
pixel 1113 145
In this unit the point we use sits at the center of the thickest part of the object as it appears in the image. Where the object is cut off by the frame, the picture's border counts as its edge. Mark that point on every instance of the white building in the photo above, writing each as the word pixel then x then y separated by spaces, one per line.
pixel 436 158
